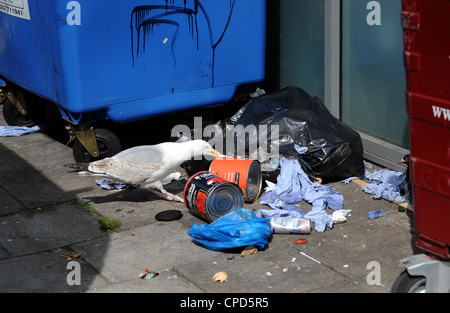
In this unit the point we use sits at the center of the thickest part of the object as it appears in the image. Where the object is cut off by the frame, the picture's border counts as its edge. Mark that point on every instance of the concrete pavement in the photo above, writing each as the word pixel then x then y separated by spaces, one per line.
pixel 47 213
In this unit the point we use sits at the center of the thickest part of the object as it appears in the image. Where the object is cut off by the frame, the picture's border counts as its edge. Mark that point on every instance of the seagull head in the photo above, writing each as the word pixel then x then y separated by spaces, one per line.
pixel 202 148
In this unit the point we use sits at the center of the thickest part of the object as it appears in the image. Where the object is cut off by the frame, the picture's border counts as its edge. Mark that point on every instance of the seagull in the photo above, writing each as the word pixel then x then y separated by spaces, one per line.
pixel 147 166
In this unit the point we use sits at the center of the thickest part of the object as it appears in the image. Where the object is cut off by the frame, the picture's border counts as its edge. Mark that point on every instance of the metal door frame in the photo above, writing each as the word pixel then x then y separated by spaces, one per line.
pixel 375 150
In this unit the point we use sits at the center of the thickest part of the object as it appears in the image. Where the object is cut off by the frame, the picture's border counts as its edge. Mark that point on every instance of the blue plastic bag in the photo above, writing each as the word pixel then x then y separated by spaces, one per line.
pixel 239 228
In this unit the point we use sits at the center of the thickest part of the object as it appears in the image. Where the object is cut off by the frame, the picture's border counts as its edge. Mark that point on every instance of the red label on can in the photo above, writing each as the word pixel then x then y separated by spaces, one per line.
pixel 204 191
pixel 197 191
pixel 200 202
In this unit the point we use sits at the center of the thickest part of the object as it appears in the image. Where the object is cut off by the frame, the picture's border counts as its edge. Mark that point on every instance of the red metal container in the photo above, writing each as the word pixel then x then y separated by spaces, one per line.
pixel 426 25
pixel 245 173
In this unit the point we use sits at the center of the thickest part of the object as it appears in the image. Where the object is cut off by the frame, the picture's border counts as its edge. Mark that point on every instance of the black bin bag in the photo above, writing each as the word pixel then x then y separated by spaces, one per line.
pixel 334 150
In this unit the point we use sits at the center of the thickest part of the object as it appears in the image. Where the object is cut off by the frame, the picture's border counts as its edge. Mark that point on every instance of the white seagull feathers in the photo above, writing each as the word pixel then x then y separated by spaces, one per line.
pixel 147 166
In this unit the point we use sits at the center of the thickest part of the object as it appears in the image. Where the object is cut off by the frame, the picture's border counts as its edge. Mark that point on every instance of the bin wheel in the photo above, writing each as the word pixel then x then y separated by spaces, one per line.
pixel 406 283
pixel 13 117
pixel 107 142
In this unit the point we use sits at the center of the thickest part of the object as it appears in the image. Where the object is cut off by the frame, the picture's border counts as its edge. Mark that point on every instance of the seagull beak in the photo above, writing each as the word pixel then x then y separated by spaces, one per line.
pixel 216 153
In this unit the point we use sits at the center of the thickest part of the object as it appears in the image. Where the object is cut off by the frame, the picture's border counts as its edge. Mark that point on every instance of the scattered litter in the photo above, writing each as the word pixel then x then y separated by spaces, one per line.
pixel 231 258
pixel 350 179
pixel 311 258
pixel 71 255
pixel 16 131
pixel 340 216
pixel 301 241
pixel 294 185
pixel 290 225
pixel 386 184
pixel 245 173
pixel 175 276
pixel 285 210
pixel 257 93
pixel 210 197
pixel 269 274
pixel 147 275
pixel 168 215
pixel 221 276
pixel 249 250
pixel 110 184
pixel 236 229
pixel 285 270
pixel 345 265
pixel 270 185
pixel 376 214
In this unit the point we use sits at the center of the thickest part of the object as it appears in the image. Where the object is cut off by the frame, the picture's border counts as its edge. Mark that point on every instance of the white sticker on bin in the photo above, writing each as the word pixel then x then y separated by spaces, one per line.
pixel 17 8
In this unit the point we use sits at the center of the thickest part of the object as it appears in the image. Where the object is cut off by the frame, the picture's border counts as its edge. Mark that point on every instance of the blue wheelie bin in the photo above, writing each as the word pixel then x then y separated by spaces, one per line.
pixel 125 61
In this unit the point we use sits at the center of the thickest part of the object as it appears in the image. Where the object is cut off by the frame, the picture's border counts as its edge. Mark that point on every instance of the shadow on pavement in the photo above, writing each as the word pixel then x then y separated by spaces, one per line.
pixel 39 222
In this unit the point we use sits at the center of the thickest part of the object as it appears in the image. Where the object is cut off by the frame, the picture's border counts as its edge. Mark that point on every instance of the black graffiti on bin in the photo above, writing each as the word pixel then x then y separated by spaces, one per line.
pixel 145 18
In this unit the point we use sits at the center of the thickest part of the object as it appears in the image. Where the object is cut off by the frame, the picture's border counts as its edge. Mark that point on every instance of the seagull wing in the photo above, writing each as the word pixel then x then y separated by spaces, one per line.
pixel 133 166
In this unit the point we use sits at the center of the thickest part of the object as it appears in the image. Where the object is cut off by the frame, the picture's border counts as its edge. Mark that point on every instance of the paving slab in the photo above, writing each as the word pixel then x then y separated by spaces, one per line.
pixel 133 207
pixel 45 272
pixel 168 281
pixel 277 269
pixel 158 247
pixel 10 204
pixel 47 228
pixel 349 248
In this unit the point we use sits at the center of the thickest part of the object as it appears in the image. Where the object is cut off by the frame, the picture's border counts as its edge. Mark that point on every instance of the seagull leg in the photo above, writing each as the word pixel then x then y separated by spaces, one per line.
pixel 172 197
pixel 166 195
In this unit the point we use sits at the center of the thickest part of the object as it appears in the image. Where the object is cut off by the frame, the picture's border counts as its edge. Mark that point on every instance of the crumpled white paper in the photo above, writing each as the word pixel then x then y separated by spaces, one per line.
pixel 340 216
